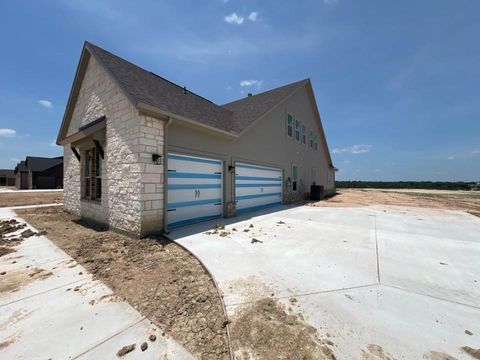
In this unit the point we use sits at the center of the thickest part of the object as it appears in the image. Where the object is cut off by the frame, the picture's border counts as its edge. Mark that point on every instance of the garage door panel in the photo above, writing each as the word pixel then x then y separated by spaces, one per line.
pixel 257 187
pixel 241 191
pixel 193 195
pixel 192 214
pixel 194 189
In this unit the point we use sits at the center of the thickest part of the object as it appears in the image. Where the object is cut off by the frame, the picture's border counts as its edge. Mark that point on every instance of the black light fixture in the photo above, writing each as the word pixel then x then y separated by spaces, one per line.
pixel 231 168
pixel 157 159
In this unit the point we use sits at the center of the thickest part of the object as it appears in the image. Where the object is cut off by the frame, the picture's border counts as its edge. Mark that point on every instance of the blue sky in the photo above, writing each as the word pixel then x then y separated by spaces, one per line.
pixel 397 82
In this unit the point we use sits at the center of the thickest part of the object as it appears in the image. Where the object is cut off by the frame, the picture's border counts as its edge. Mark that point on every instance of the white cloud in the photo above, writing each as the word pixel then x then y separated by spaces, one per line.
pixel 451 158
pixel 7 133
pixel 253 16
pixel 476 152
pixel 45 103
pixel 233 18
pixel 329 2
pixel 247 83
pixel 377 170
pixel 346 161
pixel 354 149
pixel 15 160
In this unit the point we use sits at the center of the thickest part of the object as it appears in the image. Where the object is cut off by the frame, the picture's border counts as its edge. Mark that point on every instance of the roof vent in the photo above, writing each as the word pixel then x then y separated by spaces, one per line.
pixel 184 89
pixel 249 94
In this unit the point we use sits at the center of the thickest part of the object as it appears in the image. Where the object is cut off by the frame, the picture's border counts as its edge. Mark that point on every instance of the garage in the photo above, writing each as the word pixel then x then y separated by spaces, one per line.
pixel 195 190
pixel 257 187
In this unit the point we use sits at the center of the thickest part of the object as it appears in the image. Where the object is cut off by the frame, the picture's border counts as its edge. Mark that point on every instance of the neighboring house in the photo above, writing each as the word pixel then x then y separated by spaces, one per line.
pixel 39 173
pixel 144 155
pixel 7 177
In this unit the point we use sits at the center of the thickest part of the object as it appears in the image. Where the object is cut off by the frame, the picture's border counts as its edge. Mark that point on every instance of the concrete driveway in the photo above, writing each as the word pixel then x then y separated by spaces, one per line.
pixel 377 280
pixel 52 308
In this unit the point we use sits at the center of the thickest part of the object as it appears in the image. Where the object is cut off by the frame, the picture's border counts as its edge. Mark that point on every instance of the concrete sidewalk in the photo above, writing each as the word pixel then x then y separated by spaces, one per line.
pixel 51 307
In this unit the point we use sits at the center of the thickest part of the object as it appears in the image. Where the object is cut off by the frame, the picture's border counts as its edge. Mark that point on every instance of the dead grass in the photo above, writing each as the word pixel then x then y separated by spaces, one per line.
pixel 461 200
pixel 160 279
pixel 30 198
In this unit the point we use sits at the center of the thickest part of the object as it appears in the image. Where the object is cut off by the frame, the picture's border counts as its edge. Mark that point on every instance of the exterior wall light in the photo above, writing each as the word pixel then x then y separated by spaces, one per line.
pixel 157 159
pixel 231 168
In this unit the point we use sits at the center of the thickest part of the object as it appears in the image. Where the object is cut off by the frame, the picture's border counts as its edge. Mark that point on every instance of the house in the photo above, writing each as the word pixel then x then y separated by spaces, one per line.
pixel 145 155
pixel 39 173
pixel 7 177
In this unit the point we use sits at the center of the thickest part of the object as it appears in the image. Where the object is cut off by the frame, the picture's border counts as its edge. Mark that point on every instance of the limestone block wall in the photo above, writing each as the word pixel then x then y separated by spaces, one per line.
pixel 132 186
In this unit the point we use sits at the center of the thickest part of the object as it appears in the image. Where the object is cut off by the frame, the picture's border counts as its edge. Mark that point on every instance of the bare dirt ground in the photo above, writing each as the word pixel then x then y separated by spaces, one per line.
pixel 264 330
pixel 30 198
pixel 159 278
pixel 435 199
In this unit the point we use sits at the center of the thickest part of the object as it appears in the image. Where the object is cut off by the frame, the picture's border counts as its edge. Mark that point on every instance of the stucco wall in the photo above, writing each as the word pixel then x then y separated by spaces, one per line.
pixel 265 143
pixel 132 189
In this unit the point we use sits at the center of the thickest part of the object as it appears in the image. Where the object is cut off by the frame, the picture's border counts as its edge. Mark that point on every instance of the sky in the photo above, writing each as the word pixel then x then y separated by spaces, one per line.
pixel 397 83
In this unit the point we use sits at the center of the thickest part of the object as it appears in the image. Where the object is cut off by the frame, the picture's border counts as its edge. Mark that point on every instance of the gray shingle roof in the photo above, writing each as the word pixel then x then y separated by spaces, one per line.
pixel 34 163
pixel 146 87
pixel 247 110
pixel 7 173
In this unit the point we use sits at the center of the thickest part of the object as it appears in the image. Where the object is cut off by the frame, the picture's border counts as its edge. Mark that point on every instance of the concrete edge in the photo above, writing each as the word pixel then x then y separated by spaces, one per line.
pixel 219 292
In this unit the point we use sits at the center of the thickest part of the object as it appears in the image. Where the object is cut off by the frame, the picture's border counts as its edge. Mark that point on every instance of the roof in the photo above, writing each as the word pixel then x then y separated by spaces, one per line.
pixel 21 166
pixel 36 164
pixel 7 172
pixel 247 110
pixel 143 86
pixel 153 93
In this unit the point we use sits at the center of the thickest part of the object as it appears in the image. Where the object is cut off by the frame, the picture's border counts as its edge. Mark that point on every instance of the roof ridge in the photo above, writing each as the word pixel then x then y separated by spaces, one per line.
pixel 87 43
pixel 267 91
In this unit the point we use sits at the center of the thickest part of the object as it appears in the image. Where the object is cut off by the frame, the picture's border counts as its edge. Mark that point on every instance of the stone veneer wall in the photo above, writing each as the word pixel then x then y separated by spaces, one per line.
pixel 132 186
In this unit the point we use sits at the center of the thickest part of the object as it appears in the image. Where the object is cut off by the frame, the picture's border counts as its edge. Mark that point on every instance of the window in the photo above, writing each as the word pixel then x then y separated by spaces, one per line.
pixel 311 138
pixel 304 134
pixel 316 142
pixel 92 174
pixel 313 176
pixel 289 125
pixel 297 130
pixel 294 177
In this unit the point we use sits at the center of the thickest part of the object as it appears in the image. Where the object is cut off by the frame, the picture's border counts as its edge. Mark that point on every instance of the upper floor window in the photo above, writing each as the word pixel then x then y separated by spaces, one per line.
pixel 316 142
pixel 304 134
pixel 297 130
pixel 289 125
pixel 311 139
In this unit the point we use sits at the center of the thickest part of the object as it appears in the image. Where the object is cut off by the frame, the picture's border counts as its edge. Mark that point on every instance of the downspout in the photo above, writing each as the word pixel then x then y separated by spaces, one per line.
pixel 165 174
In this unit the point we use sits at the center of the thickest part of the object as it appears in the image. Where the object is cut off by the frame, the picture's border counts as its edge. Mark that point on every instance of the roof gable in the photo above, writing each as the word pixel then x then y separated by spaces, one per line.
pixel 247 110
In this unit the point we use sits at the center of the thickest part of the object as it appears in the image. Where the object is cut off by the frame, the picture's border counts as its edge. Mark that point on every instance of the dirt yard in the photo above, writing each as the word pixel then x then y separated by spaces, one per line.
pixel 436 199
pixel 160 279
pixel 30 198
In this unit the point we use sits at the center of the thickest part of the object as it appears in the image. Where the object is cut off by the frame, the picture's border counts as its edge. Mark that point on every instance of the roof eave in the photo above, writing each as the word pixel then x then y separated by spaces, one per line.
pixel 155 111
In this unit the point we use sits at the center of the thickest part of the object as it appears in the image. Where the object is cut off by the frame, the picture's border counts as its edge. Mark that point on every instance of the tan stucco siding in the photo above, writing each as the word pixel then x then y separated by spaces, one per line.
pixel 132 190
pixel 266 142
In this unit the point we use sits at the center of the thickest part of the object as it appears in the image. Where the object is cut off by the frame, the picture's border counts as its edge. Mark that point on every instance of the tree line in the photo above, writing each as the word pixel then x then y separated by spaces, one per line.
pixel 434 185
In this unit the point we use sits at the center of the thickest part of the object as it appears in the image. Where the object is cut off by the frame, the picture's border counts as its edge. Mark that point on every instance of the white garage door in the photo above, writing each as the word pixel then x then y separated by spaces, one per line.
pixel 194 189
pixel 257 186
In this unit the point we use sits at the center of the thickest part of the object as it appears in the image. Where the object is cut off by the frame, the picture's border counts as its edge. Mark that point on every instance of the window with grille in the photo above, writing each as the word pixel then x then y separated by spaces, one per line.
pixel 92 173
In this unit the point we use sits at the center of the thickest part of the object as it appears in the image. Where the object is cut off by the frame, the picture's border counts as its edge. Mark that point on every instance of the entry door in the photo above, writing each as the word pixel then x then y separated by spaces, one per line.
pixel 257 186
pixel 194 189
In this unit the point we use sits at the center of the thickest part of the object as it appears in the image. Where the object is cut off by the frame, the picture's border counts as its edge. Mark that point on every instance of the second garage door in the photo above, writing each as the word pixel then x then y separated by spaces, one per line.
pixel 257 186
pixel 194 189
